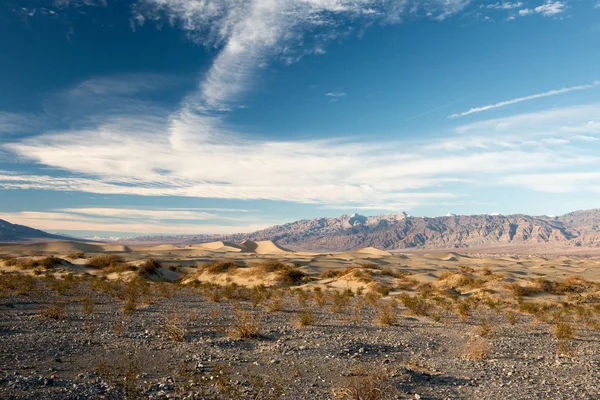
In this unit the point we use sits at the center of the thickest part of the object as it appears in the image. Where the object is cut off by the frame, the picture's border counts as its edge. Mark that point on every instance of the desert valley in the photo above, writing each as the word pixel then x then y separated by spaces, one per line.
pixel 254 319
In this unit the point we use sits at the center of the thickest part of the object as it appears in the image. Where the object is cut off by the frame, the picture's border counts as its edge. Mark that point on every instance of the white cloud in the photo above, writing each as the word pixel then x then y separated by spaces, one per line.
pixel 250 33
pixel 197 156
pixel 65 221
pixel 335 96
pixel 556 182
pixel 526 98
pixel 548 9
pixel 505 5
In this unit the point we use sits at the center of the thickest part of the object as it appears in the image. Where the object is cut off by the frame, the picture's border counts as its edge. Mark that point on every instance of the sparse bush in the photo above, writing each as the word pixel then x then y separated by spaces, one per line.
pixel 305 318
pixel 366 384
pixel 339 302
pixel 103 262
pixel 564 331
pixel 220 267
pixel 417 305
pixel 275 303
pixel 290 276
pixel 88 304
pixel 18 284
pixel 386 316
pixel 246 326
pixel 150 267
pixel 512 317
pixel 477 348
pixel 175 329
pixel 75 255
pixel 55 311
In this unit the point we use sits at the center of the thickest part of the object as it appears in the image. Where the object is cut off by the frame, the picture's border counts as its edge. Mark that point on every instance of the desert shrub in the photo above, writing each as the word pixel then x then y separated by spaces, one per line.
pixel 269 266
pixel 106 261
pixel 290 276
pixel 305 318
pixel 88 304
pixel 220 267
pixel 246 326
pixel 368 384
pixel 476 348
pixel 382 289
pixel 386 316
pixel 29 263
pixel 564 331
pixel 372 298
pixel 75 255
pixel 463 309
pixel 333 273
pixel 320 297
pixel 512 317
pixel 275 303
pixel 10 261
pixel 339 302
pixel 18 284
pixel 150 267
pixel 302 297
pixel 563 347
pixel 55 311
pixel 174 328
pixel 417 305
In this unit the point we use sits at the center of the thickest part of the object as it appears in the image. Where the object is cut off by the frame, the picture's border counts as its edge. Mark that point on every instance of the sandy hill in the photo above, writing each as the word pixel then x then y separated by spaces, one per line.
pixel 64 247
pixel 221 246
pixel 269 247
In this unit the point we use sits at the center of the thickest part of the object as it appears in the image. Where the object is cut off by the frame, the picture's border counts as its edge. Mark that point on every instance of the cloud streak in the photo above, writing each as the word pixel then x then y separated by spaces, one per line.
pixel 517 100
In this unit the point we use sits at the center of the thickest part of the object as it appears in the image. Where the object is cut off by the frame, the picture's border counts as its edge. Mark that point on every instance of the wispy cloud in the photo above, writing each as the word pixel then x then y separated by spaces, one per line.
pixel 548 9
pixel 335 96
pixel 73 221
pixel 162 160
pixel 504 6
pixel 250 34
pixel 549 93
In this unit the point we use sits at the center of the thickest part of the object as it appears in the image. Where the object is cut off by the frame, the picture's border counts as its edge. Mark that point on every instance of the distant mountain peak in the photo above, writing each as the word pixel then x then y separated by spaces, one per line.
pixel 400 231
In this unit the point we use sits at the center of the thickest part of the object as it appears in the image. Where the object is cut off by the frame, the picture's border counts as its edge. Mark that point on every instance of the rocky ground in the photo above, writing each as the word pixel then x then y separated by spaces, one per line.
pixel 86 338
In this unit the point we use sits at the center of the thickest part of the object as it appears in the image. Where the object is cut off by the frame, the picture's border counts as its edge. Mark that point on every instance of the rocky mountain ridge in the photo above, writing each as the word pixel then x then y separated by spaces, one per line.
pixel 20 233
pixel 401 231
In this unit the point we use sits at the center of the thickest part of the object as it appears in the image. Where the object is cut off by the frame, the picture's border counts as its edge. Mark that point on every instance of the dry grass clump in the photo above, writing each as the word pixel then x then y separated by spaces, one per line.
pixel 453 279
pixel 332 273
pixel 55 311
pixel 564 331
pixel 246 326
pixel 477 348
pixel 305 317
pixel 386 315
pixel 290 276
pixel 30 263
pixel 366 384
pixel 106 261
pixel 150 267
pixel 275 303
pixel 76 255
pixel 88 304
pixel 416 304
pixel 16 284
pixel 175 329
pixel 9 261
pixel 220 267
pixel 339 301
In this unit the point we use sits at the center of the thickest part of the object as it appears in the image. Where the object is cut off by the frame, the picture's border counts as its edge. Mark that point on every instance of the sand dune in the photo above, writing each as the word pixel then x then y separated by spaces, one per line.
pixel 220 246
pixel 373 251
pixel 63 248
pixel 269 247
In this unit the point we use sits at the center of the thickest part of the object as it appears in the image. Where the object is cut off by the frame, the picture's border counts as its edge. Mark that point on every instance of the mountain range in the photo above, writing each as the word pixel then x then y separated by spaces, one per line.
pixel 401 231
pixel 20 233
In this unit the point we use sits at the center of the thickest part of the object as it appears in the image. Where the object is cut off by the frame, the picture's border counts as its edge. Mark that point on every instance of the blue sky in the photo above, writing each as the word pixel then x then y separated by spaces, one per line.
pixel 214 116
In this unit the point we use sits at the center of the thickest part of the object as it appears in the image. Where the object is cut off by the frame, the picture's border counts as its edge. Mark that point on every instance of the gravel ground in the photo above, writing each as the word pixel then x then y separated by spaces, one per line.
pixel 109 353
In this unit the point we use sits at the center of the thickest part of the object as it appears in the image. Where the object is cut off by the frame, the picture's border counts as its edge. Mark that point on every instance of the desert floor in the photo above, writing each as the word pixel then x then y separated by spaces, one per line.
pixel 253 320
